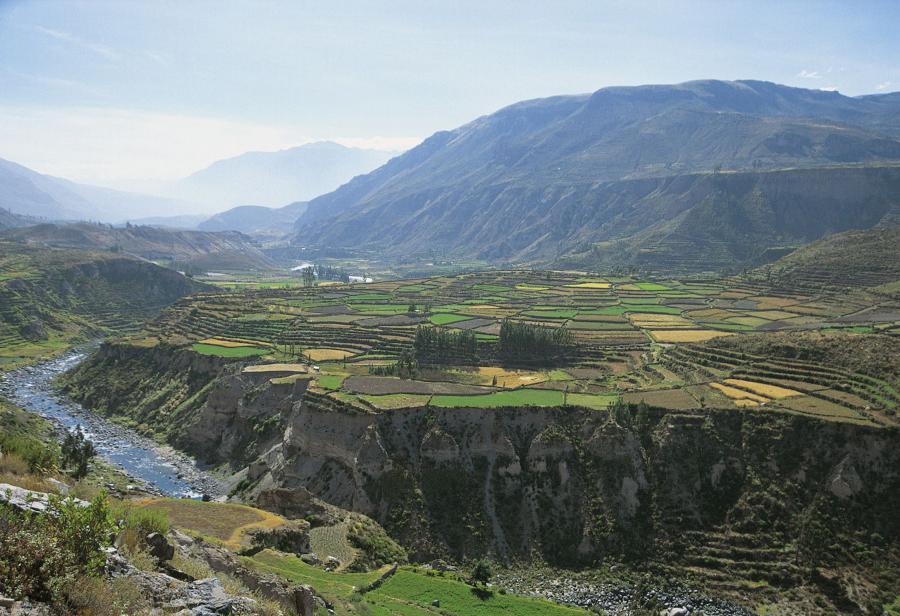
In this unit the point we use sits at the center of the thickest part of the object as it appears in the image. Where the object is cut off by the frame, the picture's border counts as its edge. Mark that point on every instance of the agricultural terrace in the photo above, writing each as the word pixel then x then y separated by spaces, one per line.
pixel 519 338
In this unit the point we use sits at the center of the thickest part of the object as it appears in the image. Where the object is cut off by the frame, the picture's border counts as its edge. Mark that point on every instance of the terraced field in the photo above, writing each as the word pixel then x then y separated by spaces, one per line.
pixel 670 343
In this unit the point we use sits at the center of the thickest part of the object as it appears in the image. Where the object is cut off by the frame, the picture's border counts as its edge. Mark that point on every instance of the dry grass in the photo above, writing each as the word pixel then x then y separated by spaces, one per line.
pixel 226 522
pixel 769 391
pixel 686 335
pixel 276 368
pixel 738 394
pixel 590 285
pixel 326 354
pixel 510 378
pixel 229 343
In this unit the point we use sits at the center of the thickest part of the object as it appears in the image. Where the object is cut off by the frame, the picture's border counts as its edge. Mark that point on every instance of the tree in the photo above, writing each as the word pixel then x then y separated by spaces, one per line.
pixel 482 572
pixel 309 277
pixel 531 343
pixel 77 452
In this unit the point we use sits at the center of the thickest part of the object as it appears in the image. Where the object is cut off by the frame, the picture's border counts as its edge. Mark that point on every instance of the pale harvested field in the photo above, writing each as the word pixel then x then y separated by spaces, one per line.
pixel 511 378
pixel 686 335
pixel 763 389
pixel 738 394
pixel 326 354
pixel 229 343
pixel 590 285
pixel 276 368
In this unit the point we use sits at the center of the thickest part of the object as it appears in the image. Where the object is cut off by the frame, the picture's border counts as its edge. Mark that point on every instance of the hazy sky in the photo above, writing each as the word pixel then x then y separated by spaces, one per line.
pixel 107 91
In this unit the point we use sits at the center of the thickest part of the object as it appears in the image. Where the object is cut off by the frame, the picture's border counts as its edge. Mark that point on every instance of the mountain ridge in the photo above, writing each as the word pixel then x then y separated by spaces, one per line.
pixel 501 167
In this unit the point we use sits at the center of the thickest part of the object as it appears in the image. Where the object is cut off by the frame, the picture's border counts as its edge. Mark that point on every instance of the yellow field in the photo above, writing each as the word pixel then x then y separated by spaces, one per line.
pixel 769 391
pixel 649 320
pixel 767 303
pixel 738 394
pixel 229 343
pixel 227 522
pixel 276 368
pixel 686 335
pixel 590 285
pixel 326 354
pixel 511 378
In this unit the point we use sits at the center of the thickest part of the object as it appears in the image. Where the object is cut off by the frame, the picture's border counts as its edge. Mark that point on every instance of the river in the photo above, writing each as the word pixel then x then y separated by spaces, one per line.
pixel 154 468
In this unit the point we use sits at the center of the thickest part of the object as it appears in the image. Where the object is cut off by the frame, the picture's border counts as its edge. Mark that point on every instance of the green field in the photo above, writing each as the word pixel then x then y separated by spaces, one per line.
pixel 241 351
pixel 409 592
pixel 525 397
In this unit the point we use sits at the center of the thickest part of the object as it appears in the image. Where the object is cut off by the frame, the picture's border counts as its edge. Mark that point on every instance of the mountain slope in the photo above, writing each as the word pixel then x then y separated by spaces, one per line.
pixel 852 259
pixel 27 192
pixel 256 219
pixel 501 186
pixel 192 249
pixel 9 220
pixel 50 296
pixel 277 178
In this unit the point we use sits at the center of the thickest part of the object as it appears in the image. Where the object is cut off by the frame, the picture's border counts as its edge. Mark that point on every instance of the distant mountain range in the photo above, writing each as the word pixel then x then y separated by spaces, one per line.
pixel 29 193
pixel 256 220
pixel 700 175
pixel 276 178
pixel 256 178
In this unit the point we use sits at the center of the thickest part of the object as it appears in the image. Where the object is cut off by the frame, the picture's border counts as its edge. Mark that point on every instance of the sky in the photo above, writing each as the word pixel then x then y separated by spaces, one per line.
pixel 108 92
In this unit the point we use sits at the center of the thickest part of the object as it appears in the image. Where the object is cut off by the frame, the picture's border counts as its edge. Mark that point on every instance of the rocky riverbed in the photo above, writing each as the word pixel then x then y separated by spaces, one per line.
pixel 152 467
pixel 616 598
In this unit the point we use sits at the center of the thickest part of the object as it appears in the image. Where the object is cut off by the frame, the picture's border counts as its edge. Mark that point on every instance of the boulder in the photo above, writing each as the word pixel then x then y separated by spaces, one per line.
pixel 291 537
pixel 28 500
pixel 311 559
pixel 159 547
pixel 332 563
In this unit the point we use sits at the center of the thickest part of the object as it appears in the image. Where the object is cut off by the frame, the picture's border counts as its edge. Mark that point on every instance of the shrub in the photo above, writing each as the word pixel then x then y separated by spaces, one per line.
pixel 42 555
pixel 38 456
pixel 77 452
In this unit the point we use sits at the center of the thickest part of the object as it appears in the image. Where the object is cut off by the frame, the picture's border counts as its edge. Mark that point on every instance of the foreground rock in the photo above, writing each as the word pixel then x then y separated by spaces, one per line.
pixel 29 500
pixel 299 599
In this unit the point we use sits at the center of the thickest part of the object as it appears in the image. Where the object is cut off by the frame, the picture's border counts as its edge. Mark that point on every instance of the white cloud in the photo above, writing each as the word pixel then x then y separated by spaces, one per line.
pixel 829 89
pixel 107 52
pixel 805 74
pixel 110 146
pixel 884 85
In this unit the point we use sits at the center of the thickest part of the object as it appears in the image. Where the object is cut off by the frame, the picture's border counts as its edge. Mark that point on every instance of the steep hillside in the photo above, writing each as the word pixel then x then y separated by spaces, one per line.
pixel 544 178
pixel 49 297
pixel 276 178
pixel 746 503
pixel 9 220
pixel 852 259
pixel 256 219
pixel 27 192
pixel 199 250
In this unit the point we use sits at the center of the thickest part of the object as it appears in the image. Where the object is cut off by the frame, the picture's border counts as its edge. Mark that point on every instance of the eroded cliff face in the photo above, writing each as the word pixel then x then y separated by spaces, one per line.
pixel 574 486
pixel 743 495
pixel 201 404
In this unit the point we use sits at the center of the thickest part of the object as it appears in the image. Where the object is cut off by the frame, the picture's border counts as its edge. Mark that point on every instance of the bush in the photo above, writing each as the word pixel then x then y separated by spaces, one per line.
pixel 42 555
pixel 39 457
pixel 482 572
pixel 77 452
pixel 375 547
